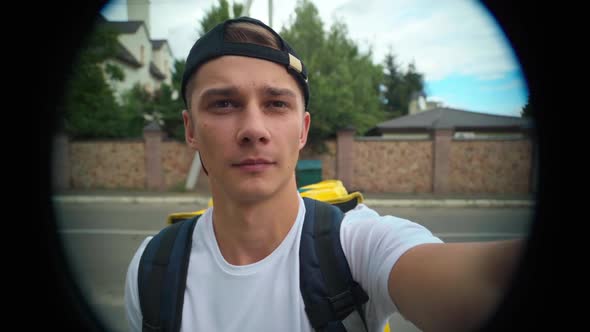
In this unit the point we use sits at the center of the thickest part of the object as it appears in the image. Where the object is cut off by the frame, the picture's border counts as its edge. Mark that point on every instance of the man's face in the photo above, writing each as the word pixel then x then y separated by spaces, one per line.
pixel 248 122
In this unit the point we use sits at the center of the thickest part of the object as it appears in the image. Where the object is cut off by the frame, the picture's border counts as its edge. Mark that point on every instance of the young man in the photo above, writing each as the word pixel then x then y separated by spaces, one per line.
pixel 246 95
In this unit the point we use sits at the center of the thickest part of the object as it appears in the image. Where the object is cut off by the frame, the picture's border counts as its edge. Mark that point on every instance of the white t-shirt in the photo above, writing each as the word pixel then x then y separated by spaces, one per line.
pixel 265 296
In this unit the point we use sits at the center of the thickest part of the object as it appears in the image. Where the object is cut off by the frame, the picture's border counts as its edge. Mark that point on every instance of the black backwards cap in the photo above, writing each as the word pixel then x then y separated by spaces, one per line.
pixel 213 45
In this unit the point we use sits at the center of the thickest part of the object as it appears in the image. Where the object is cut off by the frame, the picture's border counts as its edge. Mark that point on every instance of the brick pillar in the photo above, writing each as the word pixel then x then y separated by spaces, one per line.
pixel 152 135
pixel 442 149
pixel 344 157
pixel 60 167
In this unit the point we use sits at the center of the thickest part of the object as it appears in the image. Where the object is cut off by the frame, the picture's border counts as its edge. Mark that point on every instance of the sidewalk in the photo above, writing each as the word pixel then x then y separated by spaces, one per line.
pixel 371 199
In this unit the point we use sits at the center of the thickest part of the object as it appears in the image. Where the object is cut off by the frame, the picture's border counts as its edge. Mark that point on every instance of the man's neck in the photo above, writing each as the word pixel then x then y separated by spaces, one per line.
pixel 247 233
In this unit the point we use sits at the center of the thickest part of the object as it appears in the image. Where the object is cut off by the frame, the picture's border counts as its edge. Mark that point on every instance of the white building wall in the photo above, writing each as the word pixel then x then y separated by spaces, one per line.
pixel 168 62
pixel 134 44
pixel 162 58
pixel 157 56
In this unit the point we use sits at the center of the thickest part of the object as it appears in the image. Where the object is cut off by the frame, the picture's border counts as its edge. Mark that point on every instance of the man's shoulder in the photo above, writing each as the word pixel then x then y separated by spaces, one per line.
pixel 361 212
pixel 363 216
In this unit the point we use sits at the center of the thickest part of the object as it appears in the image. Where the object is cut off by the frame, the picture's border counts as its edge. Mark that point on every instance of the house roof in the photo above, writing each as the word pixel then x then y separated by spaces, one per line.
pixel 156 72
pixel 123 27
pixel 127 27
pixel 124 55
pixel 158 43
pixel 449 118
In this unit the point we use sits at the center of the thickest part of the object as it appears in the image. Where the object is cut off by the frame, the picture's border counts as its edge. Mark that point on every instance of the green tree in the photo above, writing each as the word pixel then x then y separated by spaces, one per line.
pixel 169 103
pixel 169 108
pixel 399 86
pixel 219 13
pixel 344 83
pixel 305 33
pixel 414 82
pixel 177 73
pixel 137 103
pixel 392 86
pixel 162 106
pixel 89 109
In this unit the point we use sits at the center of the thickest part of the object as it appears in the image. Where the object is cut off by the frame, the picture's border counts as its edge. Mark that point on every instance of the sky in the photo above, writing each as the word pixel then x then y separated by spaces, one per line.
pixel 467 61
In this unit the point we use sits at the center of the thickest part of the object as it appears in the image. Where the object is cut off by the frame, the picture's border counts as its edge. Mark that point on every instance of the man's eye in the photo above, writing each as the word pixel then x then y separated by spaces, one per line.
pixel 223 104
pixel 278 104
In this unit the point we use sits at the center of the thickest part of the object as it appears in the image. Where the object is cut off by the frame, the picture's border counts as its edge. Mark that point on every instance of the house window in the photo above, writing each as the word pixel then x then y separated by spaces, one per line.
pixel 141 55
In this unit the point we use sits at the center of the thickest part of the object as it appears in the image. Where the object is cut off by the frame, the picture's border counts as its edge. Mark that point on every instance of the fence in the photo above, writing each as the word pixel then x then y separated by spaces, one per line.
pixel 441 164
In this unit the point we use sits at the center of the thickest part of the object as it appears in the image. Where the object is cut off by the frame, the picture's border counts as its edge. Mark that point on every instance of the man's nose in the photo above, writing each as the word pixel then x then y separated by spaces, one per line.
pixel 253 127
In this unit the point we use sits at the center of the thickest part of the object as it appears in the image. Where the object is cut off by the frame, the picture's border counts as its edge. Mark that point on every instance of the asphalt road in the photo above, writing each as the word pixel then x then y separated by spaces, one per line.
pixel 100 238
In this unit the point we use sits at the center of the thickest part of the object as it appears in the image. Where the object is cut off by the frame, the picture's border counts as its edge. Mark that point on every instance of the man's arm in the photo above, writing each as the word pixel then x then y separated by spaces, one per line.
pixel 452 286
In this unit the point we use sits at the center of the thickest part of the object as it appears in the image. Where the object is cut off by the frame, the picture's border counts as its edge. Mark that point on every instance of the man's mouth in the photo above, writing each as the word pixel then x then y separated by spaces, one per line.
pixel 254 164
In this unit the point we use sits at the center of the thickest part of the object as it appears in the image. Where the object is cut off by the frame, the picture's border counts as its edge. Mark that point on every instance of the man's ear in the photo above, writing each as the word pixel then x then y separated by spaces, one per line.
pixel 304 130
pixel 189 130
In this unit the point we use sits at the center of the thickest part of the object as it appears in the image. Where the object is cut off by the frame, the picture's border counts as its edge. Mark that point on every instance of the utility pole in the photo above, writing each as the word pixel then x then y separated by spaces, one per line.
pixel 270 13
pixel 248 4
pixel 246 8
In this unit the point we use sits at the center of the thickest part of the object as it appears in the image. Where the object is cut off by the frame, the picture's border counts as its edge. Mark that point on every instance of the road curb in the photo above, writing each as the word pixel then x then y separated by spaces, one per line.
pixel 460 203
pixel 448 203
pixel 130 199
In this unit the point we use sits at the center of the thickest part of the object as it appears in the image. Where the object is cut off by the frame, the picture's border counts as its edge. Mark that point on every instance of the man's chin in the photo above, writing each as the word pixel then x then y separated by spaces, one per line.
pixel 255 191
pixel 254 188
pixel 251 196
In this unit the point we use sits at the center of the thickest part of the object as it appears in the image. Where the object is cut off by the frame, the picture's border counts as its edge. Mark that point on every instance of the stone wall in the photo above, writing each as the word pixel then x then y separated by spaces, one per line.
pixel 490 166
pixel 397 166
pixel 121 164
pixel 177 158
pixel 392 166
pixel 107 164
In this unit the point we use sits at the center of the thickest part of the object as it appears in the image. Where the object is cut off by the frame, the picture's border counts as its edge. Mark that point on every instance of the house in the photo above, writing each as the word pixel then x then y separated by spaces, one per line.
pixel 464 124
pixel 143 60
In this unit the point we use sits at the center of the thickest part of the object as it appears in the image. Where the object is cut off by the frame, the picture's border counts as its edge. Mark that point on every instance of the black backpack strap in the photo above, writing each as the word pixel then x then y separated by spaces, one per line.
pixel 162 277
pixel 328 290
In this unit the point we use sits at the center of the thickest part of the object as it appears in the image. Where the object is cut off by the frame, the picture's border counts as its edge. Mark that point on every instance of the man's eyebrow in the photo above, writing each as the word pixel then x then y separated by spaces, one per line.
pixel 233 90
pixel 279 92
pixel 224 92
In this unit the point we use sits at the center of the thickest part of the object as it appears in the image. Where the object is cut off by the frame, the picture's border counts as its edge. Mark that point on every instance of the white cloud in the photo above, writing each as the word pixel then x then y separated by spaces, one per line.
pixel 441 37
pixel 178 22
